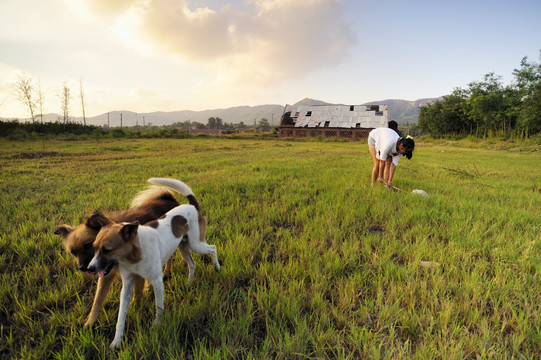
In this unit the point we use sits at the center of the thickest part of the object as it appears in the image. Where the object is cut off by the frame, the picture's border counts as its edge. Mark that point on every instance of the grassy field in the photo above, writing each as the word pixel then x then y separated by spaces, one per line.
pixel 315 262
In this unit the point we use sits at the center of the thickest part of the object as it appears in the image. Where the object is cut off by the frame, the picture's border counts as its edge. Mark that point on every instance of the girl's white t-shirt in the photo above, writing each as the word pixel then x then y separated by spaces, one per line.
pixel 386 139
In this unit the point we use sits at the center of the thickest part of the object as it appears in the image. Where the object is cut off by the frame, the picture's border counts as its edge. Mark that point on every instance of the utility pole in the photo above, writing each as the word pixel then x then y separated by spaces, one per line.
pixel 108 120
pixel 120 119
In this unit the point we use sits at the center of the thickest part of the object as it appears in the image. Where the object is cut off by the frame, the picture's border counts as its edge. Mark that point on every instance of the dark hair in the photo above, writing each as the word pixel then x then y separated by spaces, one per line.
pixel 409 145
pixel 394 126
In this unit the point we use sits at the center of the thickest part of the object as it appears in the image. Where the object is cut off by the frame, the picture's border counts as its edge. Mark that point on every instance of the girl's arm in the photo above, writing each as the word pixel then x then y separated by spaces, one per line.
pixel 389 172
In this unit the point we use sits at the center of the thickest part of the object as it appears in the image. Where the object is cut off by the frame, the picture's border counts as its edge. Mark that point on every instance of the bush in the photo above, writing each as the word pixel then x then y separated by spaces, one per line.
pixel 18 135
pixel 118 133
pixel 536 139
pixel 98 133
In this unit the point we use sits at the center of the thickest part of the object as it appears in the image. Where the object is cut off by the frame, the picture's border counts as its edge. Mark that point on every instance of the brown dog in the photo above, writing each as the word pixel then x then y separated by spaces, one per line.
pixel 149 205
pixel 143 250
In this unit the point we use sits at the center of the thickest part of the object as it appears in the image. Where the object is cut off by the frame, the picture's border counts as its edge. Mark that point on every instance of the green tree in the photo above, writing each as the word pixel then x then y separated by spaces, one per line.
pixel 487 103
pixel 528 89
pixel 214 123
pixel 512 106
pixel 263 125
pixel 489 107
pixel 199 125
pixel 447 116
pixel 429 119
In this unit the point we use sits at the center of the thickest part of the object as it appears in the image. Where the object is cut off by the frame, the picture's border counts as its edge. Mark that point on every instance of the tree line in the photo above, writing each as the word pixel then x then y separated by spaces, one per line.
pixel 31 97
pixel 488 108
pixel 262 125
pixel 15 130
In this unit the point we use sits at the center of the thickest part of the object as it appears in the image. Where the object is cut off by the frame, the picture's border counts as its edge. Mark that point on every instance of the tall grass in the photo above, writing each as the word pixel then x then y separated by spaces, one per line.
pixel 315 262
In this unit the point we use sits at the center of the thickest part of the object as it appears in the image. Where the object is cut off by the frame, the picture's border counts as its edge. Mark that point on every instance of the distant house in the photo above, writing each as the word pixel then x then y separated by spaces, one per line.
pixel 353 122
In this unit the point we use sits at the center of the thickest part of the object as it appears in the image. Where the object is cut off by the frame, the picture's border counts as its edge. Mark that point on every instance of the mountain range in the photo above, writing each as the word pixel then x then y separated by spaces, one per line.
pixel 402 111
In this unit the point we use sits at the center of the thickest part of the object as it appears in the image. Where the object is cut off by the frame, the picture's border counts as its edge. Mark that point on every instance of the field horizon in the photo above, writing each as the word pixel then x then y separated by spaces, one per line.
pixel 316 263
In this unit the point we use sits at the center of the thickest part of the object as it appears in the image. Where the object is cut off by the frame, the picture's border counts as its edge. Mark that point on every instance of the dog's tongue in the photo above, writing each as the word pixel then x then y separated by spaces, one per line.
pixel 100 274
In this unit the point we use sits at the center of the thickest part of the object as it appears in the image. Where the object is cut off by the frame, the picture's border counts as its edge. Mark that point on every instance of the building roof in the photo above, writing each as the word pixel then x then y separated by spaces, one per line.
pixel 336 116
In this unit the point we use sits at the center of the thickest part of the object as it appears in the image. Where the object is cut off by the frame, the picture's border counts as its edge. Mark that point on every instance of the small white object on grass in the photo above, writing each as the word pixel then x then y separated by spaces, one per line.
pixel 420 192
pixel 429 264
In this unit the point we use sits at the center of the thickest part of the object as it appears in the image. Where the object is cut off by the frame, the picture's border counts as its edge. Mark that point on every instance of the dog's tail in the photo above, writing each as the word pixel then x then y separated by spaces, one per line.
pixel 179 187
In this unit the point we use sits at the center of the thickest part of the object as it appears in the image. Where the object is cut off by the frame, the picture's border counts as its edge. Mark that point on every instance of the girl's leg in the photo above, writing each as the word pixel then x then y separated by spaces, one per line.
pixel 381 170
pixel 375 169
pixel 386 164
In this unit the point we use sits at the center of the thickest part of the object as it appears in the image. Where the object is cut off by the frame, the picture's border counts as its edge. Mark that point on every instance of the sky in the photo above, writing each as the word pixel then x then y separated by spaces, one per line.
pixel 169 55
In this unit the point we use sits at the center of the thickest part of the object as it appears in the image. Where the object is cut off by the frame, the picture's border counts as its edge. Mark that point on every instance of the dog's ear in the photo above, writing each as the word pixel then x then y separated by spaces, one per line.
pixel 63 230
pixel 97 221
pixel 129 231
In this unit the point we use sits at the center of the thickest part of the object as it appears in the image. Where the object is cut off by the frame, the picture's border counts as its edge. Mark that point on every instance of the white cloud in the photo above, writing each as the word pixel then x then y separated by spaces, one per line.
pixel 188 52
pixel 258 41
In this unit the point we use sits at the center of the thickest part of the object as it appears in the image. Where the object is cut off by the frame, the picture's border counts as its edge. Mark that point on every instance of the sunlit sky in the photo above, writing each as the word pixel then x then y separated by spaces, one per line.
pixel 167 55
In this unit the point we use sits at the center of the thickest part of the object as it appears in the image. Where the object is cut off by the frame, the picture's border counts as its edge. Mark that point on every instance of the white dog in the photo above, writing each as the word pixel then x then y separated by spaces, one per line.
pixel 144 249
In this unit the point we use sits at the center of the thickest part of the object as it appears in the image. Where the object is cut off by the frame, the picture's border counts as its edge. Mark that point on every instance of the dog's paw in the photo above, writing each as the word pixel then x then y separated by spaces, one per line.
pixel 158 316
pixel 115 345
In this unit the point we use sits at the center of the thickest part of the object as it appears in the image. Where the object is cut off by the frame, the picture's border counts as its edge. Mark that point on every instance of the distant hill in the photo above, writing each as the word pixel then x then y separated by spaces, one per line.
pixel 246 114
pixel 402 111
pixel 308 101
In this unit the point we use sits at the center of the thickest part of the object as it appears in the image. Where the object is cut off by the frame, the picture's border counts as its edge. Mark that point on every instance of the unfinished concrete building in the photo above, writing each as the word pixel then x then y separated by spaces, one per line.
pixel 353 122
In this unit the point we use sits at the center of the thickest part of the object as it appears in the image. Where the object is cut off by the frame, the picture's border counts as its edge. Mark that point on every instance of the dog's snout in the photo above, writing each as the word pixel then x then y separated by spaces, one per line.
pixel 82 268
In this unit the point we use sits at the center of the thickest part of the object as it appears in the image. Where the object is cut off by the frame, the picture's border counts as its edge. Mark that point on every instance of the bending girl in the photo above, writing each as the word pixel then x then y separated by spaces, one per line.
pixel 386 148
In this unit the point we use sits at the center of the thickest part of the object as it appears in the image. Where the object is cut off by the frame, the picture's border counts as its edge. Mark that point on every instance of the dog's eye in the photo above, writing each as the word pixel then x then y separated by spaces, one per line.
pixel 105 251
pixel 87 246
pixel 73 252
